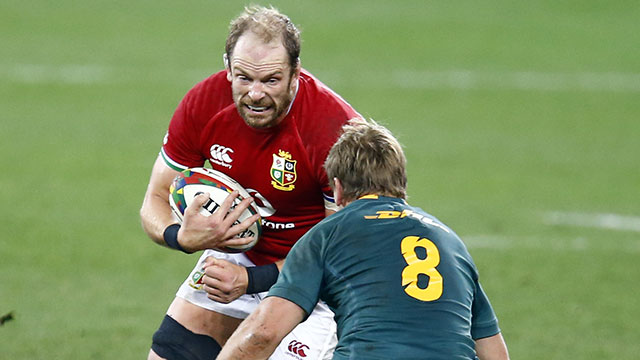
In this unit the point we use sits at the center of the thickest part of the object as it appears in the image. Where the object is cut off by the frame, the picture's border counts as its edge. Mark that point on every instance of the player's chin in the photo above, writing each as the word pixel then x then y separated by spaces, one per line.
pixel 259 122
pixel 259 119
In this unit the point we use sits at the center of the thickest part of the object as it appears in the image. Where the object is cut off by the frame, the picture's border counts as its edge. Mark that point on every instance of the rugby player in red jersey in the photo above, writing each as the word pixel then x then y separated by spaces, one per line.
pixel 269 124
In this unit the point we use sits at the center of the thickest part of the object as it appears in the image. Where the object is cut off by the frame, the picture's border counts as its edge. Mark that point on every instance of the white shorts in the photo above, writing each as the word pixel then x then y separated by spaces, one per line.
pixel 313 339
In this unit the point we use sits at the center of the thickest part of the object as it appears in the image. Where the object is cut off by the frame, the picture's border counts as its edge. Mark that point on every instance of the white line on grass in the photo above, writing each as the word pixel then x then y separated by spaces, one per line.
pixel 614 222
pixel 502 242
pixel 558 243
pixel 50 74
pixel 602 221
pixel 518 80
pixel 462 79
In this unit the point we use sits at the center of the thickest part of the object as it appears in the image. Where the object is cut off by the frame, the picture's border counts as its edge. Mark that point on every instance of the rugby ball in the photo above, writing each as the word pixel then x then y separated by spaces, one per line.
pixel 192 182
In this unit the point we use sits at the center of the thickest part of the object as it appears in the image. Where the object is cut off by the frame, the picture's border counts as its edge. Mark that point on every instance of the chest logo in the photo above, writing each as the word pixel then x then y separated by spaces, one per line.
pixel 221 155
pixel 283 171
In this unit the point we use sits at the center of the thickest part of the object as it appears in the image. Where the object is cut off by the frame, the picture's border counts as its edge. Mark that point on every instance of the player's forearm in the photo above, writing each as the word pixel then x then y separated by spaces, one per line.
pixel 251 348
pixel 249 342
pixel 155 213
pixel 155 216
pixel 261 332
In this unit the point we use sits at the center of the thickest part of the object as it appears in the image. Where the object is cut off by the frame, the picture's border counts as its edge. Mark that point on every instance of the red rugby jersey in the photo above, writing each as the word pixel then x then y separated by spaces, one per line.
pixel 281 167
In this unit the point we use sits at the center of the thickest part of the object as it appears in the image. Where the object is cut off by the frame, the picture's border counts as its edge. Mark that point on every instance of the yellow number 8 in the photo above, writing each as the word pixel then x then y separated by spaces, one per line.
pixel 416 266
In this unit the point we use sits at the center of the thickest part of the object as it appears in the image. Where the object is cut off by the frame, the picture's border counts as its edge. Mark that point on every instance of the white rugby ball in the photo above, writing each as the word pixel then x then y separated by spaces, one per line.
pixel 192 182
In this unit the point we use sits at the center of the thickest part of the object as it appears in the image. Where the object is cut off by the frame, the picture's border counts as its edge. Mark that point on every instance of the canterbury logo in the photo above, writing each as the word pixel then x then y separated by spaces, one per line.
pixel 298 348
pixel 221 155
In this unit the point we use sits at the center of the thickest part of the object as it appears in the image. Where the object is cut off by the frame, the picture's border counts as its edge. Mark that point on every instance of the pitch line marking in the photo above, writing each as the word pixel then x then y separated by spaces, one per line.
pixel 519 80
pixel 506 242
pixel 67 74
pixel 463 79
pixel 511 242
pixel 602 221
pixel 615 222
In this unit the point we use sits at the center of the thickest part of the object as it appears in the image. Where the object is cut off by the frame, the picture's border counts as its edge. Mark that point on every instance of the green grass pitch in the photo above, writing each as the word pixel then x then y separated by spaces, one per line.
pixel 520 121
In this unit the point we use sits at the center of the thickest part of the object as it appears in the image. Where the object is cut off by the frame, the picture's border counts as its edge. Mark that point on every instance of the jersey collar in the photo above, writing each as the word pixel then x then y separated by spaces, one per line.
pixel 294 97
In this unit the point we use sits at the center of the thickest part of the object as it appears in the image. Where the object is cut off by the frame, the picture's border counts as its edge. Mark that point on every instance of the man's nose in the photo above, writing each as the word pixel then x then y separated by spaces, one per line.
pixel 256 91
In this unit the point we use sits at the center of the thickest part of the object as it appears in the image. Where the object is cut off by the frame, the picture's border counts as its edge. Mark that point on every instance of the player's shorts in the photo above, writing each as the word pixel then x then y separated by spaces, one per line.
pixel 315 338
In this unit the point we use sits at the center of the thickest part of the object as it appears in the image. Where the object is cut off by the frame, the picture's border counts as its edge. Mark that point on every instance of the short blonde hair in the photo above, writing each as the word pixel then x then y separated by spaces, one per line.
pixel 367 159
pixel 268 23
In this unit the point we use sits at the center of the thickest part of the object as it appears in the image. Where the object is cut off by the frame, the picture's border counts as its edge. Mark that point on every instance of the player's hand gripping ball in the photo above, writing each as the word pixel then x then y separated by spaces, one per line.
pixel 192 182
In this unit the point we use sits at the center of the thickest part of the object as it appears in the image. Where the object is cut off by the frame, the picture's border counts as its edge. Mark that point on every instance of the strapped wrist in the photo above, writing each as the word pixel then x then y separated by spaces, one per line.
pixel 261 277
pixel 170 237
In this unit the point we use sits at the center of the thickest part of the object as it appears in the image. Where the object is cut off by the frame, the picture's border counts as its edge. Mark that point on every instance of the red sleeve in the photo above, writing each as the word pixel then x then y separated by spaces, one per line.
pixel 182 147
pixel 329 112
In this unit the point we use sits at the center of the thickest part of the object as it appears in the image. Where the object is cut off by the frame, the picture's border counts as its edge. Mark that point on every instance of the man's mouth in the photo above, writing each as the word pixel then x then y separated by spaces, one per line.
pixel 257 108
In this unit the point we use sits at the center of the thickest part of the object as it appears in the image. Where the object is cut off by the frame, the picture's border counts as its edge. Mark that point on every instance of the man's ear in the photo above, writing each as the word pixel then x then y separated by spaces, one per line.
pixel 338 192
pixel 295 77
pixel 225 60
pixel 296 71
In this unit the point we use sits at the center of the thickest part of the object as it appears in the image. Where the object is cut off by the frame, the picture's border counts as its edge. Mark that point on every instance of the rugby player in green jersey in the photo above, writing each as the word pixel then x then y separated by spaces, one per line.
pixel 401 283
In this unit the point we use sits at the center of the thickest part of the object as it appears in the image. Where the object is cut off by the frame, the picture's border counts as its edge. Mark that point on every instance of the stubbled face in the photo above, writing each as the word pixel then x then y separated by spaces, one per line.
pixel 261 81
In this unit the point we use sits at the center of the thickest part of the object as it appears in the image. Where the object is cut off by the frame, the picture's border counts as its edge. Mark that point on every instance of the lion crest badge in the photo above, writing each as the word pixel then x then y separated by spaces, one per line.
pixel 283 171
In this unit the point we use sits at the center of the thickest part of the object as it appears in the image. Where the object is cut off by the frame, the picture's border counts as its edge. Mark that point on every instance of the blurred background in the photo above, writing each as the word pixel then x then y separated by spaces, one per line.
pixel 520 121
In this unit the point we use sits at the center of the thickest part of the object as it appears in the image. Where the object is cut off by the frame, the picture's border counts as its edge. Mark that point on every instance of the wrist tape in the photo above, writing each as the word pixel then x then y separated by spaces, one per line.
pixel 170 237
pixel 261 277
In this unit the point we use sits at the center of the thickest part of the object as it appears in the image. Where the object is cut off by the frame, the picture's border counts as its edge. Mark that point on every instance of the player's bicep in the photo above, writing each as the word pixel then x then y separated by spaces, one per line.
pixel 492 348
pixel 161 177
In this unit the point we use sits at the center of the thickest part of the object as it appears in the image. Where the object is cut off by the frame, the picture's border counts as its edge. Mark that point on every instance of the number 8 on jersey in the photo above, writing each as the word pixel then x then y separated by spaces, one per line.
pixel 416 266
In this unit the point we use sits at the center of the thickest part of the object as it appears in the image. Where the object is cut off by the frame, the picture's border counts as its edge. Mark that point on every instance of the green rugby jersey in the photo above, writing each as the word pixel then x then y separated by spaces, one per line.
pixel 402 284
